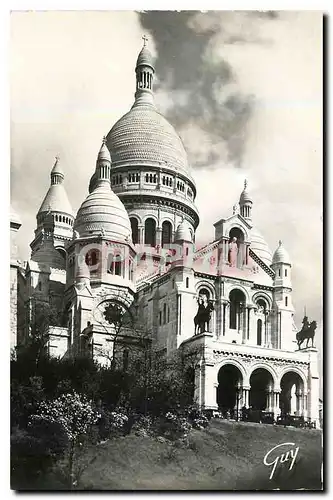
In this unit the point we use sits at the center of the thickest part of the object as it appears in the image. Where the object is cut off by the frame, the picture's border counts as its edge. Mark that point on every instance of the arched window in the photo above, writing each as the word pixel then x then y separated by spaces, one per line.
pixel 92 258
pixel 164 313
pixel 117 265
pixel 279 272
pixel 285 272
pixel 56 218
pixel 166 232
pixel 237 303
pixel 259 331
pixel 150 232
pixel 135 230
pixel 147 178
pixel 168 314
pixel 286 301
pixel 151 178
pixel 137 176
pixel 187 282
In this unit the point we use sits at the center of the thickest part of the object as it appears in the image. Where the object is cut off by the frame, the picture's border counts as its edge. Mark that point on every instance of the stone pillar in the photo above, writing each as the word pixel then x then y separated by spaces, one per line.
pixel 299 402
pixel 141 230
pixel 276 403
pixel 208 387
pixel 270 400
pixel 227 316
pixel 246 396
pixel 158 236
pixel 244 325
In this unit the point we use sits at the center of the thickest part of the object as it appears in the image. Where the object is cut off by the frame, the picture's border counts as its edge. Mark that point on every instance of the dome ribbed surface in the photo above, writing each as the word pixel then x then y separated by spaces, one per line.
pixel 183 232
pixel 245 197
pixel 102 211
pixel 56 200
pixel 145 58
pixel 260 247
pixel 281 255
pixel 145 135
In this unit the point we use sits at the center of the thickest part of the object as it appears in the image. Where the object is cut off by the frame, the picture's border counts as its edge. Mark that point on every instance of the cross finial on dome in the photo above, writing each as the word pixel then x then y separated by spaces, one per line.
pixel 245 183
pixel 280 243
pixel 104 139
pixel 57 158
pixel 145 40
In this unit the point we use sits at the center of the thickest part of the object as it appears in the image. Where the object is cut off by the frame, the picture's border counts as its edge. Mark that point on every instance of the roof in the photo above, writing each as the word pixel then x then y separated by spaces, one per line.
pixel 260 247
pixel 102 212
pixel 56 200
pixel 281 255
pixel 143 134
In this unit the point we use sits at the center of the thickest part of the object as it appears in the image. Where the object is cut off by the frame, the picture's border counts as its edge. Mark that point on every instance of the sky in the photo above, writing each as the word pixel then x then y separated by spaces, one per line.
pixel 242 88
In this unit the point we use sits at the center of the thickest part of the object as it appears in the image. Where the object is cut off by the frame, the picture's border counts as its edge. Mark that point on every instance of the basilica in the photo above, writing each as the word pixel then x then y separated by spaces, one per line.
pixel 127 262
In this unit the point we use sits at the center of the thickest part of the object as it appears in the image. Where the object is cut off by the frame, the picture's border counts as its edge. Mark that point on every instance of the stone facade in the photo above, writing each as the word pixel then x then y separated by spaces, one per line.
pixel 131 251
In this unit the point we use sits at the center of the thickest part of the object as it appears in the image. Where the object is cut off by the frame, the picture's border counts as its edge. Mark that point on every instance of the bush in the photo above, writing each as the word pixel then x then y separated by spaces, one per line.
pixel 33 453
pixel 112 423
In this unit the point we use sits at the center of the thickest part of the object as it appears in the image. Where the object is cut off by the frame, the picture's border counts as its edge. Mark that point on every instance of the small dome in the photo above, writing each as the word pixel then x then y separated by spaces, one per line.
pixel 104 153
pixel 281 255
pixel 183 232
pixel 103 212
pixel 57 168
pixel 245 196
pixel 145 58
pixel 260 247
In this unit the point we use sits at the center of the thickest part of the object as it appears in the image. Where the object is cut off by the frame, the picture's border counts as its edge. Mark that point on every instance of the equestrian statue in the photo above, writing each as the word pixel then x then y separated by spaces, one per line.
pixel 307 332
pixel 202 318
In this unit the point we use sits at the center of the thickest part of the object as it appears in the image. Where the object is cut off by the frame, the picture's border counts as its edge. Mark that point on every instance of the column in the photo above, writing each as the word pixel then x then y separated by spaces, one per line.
pixel 299 402
pixel 141 234
pixel 244 326
pixel 246 396
pixel 224 306
pixel 158 236
pixel 276 405
pixel 227 317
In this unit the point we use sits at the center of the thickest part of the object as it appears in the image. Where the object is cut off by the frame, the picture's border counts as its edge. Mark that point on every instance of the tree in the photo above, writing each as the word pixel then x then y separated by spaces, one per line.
pixel 76 416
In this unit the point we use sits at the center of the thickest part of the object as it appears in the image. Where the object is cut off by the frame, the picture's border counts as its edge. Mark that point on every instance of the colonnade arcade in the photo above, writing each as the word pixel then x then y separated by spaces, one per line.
pixel 150 234
pixel 260 390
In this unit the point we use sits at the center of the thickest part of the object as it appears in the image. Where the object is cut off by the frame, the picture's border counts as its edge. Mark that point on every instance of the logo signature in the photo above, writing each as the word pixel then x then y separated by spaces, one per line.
pixel 273 458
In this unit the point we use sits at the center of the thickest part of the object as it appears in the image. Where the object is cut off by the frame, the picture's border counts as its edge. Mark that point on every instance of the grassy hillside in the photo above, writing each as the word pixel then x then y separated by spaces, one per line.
pixel 225 456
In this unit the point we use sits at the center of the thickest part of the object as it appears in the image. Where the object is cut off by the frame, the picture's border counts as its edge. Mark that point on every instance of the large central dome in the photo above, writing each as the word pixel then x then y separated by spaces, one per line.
pixel 144 135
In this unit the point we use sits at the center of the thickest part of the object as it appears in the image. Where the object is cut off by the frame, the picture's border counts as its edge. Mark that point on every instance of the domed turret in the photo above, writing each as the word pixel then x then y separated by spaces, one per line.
pixel 245 203
pixel 56 199
pixel 102 212
pixel 183 232
pixel 281 255
pixel 150 165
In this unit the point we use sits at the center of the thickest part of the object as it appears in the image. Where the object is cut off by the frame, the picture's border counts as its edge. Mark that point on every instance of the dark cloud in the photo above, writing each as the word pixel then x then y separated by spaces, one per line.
pixel 185 64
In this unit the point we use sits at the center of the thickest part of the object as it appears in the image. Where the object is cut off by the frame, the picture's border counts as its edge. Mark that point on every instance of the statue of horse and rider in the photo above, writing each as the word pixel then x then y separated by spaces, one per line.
pixel 307 332
pixel 202 318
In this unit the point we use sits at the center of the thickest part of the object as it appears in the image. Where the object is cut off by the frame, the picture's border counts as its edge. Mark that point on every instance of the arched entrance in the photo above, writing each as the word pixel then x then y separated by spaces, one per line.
pixel 261 392
pixel 229 390
pixel 292 394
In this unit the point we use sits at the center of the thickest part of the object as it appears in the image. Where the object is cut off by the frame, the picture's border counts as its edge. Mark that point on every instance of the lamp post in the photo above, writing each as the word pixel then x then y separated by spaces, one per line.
pixel 238 396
